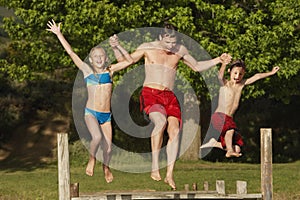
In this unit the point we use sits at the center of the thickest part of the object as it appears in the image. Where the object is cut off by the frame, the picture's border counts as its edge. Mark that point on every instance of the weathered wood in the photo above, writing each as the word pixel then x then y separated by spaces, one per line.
pixel 194 187
pixel 186 187
pixel 205 186
pixel 135 195
pixel 220 187
pixel 191 129
pixel 74 189
pixel 63 166
pixel 266 163
pixel 241 187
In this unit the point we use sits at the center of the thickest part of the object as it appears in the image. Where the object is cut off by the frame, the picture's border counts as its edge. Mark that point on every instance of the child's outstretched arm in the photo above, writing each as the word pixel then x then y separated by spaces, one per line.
pixel 122 56
pixel 56 30
pixel 224 62
pixel 261 76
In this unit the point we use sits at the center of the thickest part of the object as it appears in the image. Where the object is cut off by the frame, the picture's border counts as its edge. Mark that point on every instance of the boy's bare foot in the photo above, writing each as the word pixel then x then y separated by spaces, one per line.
pixel 212 143
pixel 231 153
pixel 107 174
pixel 90 167
pixel 170 182
pixel 155 175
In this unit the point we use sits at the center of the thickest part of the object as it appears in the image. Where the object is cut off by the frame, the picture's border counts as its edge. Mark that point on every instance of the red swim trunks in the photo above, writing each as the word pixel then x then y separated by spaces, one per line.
pixel 163 101
pixel 222 123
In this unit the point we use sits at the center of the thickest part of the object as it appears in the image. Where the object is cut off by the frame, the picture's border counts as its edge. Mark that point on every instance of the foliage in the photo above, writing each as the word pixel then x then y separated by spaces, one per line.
pixel 263 33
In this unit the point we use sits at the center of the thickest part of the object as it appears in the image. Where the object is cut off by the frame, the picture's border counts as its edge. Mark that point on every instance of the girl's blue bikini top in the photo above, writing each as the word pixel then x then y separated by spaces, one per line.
pixel 97 79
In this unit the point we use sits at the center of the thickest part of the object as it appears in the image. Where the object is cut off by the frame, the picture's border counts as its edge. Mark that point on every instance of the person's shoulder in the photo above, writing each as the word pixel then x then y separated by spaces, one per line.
pixel 147 45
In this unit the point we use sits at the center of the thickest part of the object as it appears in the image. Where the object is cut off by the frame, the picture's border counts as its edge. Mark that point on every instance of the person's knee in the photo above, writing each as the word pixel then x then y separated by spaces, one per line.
pixel 160 124
pixel 173 132
pixel 96 139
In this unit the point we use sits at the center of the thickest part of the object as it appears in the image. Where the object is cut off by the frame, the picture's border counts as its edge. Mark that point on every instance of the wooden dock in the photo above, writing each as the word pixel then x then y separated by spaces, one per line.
pixel 67 190
pixel 132 195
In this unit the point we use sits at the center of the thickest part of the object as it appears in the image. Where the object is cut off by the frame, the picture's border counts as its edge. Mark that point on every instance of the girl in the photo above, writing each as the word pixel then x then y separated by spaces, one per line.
pixel 98 78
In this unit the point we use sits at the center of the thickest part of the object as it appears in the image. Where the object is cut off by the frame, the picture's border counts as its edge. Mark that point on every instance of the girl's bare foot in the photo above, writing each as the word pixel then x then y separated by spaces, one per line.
pixel 155 175
pixel 90 167
pixel 231 153
pixel 170 182
pixel 107 174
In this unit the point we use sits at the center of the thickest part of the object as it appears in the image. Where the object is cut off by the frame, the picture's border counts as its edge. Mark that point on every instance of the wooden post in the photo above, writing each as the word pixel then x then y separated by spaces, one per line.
pixel 241 187
pixel 220 187
pixel 205 186
pixel 266 163
pixel 63 166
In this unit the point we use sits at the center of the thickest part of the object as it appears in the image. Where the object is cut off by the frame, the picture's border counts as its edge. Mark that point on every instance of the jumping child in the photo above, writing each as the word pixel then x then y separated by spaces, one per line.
pixel 228 102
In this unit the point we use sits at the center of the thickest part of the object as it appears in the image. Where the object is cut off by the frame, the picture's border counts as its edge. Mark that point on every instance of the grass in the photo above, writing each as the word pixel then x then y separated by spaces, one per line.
pixel 42 183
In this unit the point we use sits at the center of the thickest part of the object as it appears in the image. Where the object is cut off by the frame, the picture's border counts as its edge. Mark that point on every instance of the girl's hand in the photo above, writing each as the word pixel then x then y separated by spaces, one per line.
pixel 53 27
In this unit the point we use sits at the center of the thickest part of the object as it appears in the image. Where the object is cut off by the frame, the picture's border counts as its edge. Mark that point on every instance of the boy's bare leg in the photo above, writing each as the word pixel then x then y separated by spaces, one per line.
pixel 172 150
pixel 107 173
pixel 212 143
pixel 229 147
pixel 159 121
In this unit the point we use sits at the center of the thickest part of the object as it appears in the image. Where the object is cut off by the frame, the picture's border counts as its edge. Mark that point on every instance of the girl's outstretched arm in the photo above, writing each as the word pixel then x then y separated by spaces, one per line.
pixel 56 30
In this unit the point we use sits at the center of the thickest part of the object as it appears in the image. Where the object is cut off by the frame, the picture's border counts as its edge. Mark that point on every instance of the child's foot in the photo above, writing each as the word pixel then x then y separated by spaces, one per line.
pixel 155 175
pixel 231 153
pixel 107 174
pixel 90 167
pixel 212 143
pixel 170 182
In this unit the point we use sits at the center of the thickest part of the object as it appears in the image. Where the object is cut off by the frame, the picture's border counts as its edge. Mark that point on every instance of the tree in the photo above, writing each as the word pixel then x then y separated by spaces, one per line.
pixel 263 33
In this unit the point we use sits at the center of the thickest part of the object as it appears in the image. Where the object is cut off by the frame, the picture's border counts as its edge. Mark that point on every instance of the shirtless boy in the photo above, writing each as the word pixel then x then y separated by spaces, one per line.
pixel 157 98
pixel 229 97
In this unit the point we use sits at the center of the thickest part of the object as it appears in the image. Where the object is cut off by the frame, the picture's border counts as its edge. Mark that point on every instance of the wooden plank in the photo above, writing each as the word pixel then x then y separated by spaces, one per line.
pixel 63 166
pixel 266 163
pixel 165 195
pixel 241 187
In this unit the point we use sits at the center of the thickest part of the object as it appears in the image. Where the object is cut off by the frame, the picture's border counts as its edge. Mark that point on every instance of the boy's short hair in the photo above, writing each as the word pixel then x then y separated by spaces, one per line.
pixel 168 31
pixel 238 63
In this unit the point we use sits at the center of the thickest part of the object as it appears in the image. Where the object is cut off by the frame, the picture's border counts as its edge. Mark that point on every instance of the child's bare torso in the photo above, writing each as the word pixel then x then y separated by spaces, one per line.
pixel 229 97
pixel 160 66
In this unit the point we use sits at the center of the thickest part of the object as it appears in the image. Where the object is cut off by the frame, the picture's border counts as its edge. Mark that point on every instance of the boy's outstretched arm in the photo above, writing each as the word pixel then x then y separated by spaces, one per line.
pixel 221 78
pixel 261 76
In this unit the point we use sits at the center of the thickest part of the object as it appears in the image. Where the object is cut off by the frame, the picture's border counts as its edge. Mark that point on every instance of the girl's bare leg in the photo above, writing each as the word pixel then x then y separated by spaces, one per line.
pixel 94 129
pixel 106 146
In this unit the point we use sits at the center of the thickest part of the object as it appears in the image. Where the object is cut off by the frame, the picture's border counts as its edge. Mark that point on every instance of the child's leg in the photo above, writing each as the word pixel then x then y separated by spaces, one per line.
pixel 228 141
pixel 237 149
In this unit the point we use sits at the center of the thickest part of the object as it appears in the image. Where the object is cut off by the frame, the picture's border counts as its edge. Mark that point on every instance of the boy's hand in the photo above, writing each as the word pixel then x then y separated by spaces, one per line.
pixel 225 58
pixel 114 41
pixel 275 69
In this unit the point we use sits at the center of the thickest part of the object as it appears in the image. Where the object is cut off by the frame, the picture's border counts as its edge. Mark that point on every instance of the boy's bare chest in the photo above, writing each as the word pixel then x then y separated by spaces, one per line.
pixel 162 57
